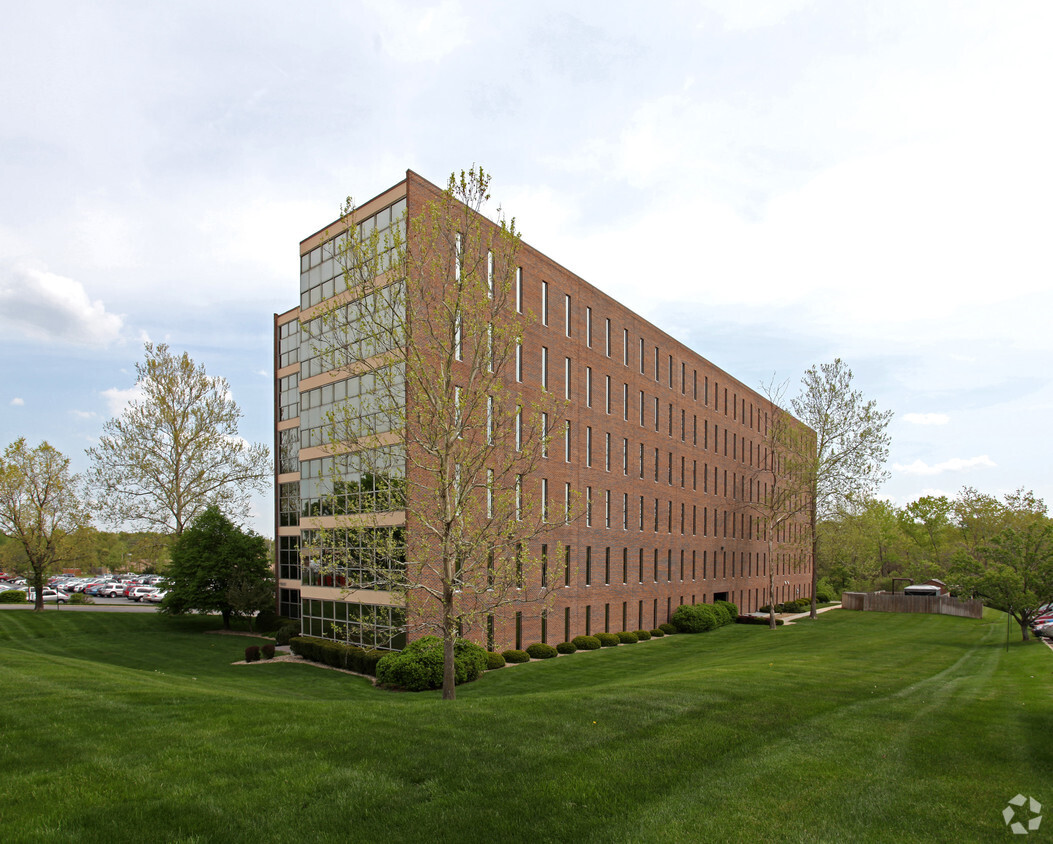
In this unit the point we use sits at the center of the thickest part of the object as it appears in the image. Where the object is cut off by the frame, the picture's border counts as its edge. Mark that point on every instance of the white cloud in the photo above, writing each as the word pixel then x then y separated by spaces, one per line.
pixel 926 418
pixel 17 402
pixel 51 307
pixel 955 464
pixel 85 414
pixel 118 399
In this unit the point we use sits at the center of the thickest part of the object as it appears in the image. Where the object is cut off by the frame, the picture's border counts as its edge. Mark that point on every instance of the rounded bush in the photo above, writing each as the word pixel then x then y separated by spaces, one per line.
pixel 823 597
pixel 642 635
pixel 668 628
pixel 731 609
pixel 13 596
pixel 494 661
pixel 539 650
pixel 419 665
pixel 608 640
pixel 370 659
pixel 695 618
pixel 268 651
pixel 720 611
pixel 627 637
pixel 586 643
pixel 566 647
pixel 80 598
pixel 286 632
pixel 352 658
pixel 657 633
pixel 515 656
pixel 252 653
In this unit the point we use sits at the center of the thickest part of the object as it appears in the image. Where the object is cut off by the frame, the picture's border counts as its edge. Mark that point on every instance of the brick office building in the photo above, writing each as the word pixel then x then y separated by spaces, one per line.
pixel 662 447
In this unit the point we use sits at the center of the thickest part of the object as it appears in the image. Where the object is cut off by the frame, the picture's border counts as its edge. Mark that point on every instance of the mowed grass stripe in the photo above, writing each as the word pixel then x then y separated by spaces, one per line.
pixel 857 726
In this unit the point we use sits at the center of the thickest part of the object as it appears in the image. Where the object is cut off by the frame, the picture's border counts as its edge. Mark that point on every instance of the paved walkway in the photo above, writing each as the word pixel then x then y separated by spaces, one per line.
pixel 790 619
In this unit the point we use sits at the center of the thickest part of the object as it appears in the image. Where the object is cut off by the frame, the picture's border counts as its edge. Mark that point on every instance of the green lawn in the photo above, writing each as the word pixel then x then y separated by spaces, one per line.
pixel 855 727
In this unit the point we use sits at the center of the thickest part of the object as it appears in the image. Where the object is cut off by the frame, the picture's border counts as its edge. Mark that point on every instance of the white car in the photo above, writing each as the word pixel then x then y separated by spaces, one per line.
pixel 51 596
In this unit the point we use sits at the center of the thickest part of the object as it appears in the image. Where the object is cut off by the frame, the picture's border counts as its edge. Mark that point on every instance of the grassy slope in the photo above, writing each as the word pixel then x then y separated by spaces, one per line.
pixel 874 727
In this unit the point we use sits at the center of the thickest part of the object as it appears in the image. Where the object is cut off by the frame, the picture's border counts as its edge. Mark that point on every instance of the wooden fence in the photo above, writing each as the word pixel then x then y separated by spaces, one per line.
pixel 898 602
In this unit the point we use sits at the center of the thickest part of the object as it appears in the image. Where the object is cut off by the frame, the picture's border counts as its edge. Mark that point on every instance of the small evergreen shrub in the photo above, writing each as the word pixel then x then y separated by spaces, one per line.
pixel 567 647
pixel 627 637
pixel 352 658
pixel 695 618
pixel 252 653
pixel 668 628
pixel 721 614
pixel 539 650
pixel 608 640
pixel 494 661
pixel 286 632
pixel 642 635
pixel 13 596
pixel 515 656
pixel 80 598
pixel 586 643
pixel 370 659
pixel 753 619
pixel 419 665
pixel 268 650
pixel 657 633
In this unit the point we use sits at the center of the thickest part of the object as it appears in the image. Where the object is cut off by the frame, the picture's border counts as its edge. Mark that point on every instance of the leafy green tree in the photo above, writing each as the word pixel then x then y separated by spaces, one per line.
pixel 40 509
pixel 1013 571
pixel 176 450
pixel 217 567
pixel 851 447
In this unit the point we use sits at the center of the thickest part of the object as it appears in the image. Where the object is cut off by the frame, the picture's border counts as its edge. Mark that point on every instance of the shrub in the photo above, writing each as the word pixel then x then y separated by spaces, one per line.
pixel 268 650
pixel 515 656
pixel 566 647
pixel 720 612
pixel 539 650
pixel 80 598
pixel 352 658
pixel 494 661
pixel 754 619
pixel 657 633
pixel 252 653
pixel 627 637
pixel 695 618
pixel 586 643
pixel 642 635
pixel 13 596
pixel 730 608
pixel 823 597
pixel 419 665
pixel 608 640
pixel 286 632
pixel 668 628
pixel 370 659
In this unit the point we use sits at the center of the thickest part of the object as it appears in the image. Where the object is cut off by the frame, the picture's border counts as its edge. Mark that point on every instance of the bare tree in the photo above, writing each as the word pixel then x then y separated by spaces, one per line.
pixel 779 487
pixel 40 508
pixel 432 422
pixel 175 450
pixel 851 445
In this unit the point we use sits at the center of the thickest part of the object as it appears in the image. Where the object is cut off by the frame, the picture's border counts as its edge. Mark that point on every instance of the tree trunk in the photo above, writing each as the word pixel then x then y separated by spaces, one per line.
pixel 38 588
pixel 815 555
pixel 226 619
pixel 1025 631
pixel 449 634
pixel 771 586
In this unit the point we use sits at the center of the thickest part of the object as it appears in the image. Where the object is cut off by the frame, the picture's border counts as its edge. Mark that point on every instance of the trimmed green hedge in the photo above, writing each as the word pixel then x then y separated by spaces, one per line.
pixel 12 596
pixel 731 609
pixel 494 661
pixel 752 619
pixel 515 656
pixel 337 654
pixel 627 637
pixel 657 633
pixel 586 643
pixel 567 647
pixel 667 628
pixel 642 635
pixel 539 650
pixel 699 618
pixel 608 640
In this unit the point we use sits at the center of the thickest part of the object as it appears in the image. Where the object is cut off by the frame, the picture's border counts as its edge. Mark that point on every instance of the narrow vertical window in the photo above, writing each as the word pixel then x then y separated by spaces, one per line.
pixel 518 423
pixel 519 497
pixel 489 493
pixel 566 377
pixel 567 309
pixel 625 402
pixel 607 451
pixel 566 510
pixel 588 446
pixel 588 386
pixel 544 367
pixel 566 441
pixel 519 362
pixel 490 347
pixel 588 327
pixel 607 392
pixel 490 420
pixel 458 349
pixel 519 290
pixel 544 500
pixel 544 435
pixel 625 456
pixel 607 509
pixel 457 257
pixel 625 347
pixel 683 378
pixel 489 274
pixel 642 362
pixel 544 303
pixel 643 412
pixel 588 506
pixel 625 511
pixel 656 375
pixel 607 337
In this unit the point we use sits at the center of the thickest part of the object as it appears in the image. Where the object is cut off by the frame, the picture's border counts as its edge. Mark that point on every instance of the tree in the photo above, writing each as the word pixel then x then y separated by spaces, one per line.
pixel 1013 571
pixel 176 450
pixel 851 445
pixel 779 488
pixel 436 430
pixel 217 567
pixel 40 509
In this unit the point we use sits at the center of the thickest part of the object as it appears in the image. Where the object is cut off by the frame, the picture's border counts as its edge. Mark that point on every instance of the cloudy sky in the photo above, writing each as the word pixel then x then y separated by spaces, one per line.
pixel 775 182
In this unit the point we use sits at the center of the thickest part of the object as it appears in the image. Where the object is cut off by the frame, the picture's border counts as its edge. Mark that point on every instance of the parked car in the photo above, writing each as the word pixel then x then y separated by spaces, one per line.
pixel 51 596
pixel 156 596
pixel 137 593
pixel 112 590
